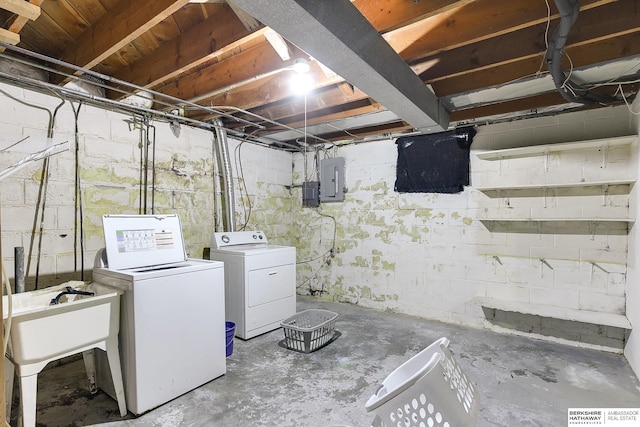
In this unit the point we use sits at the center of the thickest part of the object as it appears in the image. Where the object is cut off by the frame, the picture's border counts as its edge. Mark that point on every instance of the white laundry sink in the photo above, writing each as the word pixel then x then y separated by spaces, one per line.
pixel 42 332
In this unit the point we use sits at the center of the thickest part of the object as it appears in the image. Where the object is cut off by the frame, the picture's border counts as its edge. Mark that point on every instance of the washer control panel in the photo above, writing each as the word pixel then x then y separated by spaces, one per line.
pixel 234 238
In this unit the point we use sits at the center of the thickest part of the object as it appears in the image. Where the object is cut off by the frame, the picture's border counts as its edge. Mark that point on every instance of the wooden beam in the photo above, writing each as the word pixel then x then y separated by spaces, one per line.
pixel 9 37
pixel 592 25
pixel 275 88
pixel 326 104
pixel 469 24
pixel 391 14
pixel 268 90
pixel 244 66
pixel 523 104
pixel 581 55
pixel 353 133
pixel 126 21
pixel 19 21
pixel 388 15
pixel 215 36
pixel 20 7
pixel 278 44
pixel 345 110
pixel 249 21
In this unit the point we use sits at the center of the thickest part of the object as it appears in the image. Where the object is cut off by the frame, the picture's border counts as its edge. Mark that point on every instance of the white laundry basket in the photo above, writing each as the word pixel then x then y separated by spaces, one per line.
pixel 428 390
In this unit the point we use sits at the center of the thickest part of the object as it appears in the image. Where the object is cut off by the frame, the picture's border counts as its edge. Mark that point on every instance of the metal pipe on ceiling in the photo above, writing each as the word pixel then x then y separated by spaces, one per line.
pixel 171 103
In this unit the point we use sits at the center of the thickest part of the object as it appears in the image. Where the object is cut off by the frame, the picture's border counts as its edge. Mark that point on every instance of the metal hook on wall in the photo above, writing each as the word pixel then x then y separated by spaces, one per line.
pixel 544 262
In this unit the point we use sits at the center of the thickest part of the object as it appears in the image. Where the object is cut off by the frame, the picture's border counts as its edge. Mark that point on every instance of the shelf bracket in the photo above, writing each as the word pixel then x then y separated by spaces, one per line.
pixel 599 267
pixel 544 196
pixel 605 193
pixel 544 262
pixel 605 155
pixel 547 155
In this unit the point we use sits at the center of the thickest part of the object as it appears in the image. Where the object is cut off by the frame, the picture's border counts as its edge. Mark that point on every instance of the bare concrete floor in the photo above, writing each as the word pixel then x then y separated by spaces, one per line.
pixel 521 381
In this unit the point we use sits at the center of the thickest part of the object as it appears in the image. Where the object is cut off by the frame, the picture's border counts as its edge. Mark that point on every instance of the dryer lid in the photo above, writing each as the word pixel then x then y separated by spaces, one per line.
pixel 142 240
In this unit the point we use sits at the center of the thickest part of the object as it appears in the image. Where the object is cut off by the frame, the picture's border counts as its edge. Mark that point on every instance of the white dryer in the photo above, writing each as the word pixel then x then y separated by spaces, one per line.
pixel 172 329
pixel 260 280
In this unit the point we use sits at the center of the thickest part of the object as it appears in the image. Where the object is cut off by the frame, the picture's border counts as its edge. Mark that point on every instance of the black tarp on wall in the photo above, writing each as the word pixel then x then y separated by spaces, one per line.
pixel 435 163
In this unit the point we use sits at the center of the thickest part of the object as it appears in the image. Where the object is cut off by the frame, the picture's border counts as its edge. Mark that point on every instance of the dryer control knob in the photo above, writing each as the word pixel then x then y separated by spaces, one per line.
pixel 225 238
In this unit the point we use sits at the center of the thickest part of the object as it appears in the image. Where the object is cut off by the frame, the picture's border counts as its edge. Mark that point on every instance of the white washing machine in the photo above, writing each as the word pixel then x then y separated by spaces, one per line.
pixel 172 329
pixel 260 281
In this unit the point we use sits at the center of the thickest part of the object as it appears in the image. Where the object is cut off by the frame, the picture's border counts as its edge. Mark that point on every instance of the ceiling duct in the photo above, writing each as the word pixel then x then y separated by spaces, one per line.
pixel 340 37
pixel 569 90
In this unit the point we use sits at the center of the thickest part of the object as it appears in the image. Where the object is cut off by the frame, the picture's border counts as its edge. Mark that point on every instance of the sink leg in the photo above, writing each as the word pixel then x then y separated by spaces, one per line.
pixel 113 355
pixel 9 372
pixel 90 366
pixel 28 392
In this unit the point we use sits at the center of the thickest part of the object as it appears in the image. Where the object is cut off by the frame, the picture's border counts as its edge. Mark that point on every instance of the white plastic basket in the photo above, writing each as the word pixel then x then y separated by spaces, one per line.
pixel 428 390
pixel 309 330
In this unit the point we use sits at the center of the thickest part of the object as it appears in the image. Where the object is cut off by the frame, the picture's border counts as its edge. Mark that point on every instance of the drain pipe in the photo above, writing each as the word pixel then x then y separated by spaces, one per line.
pixel 18 263
pixel 224 165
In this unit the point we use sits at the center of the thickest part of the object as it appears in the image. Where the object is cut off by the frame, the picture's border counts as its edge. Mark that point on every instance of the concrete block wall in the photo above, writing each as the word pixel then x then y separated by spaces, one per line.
pixel 109 165
pixel 422 254
pixel 563 267
pixel 263 190
pixel 632 349
pixel 430 255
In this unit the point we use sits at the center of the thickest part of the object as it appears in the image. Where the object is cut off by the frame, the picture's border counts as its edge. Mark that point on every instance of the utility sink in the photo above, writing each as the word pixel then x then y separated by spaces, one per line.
pixel 84 316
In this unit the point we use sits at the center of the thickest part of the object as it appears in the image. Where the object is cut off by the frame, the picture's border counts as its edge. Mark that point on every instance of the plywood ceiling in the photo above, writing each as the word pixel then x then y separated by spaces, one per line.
pixel 482 59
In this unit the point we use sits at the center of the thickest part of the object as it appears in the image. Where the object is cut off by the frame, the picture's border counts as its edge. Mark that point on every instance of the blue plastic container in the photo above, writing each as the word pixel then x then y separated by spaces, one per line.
pixel 231 331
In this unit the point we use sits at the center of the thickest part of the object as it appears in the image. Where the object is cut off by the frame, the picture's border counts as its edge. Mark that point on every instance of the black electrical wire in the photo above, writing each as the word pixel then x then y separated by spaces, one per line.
pixel 44 180
pixel 145 145
pixel 44 184
pixel 331 253
pixel 247 207
pixel 152 141
pixel 79 220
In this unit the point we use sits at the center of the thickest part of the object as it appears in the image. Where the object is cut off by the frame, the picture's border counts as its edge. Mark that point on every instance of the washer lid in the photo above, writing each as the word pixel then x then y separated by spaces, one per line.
pixel 142 240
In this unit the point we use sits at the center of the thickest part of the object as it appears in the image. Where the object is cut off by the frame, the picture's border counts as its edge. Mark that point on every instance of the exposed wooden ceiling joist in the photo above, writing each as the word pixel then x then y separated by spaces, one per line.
pixel 215 36
pixel 125 22
pixel 22 8
pixel 477 55
pixel 581 55
pixel 339 36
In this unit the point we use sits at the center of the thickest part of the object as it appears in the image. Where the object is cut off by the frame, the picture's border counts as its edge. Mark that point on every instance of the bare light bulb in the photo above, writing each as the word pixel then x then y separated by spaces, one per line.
pixel 301 66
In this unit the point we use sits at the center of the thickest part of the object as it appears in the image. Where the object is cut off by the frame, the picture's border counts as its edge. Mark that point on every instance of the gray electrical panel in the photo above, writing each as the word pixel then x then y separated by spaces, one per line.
pixel 332 180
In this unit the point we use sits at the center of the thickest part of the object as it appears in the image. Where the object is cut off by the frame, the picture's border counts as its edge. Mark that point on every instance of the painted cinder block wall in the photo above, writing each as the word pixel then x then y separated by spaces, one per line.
pixel 422 254
pixel 632 349
pixel 110 173
pixel 429 255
